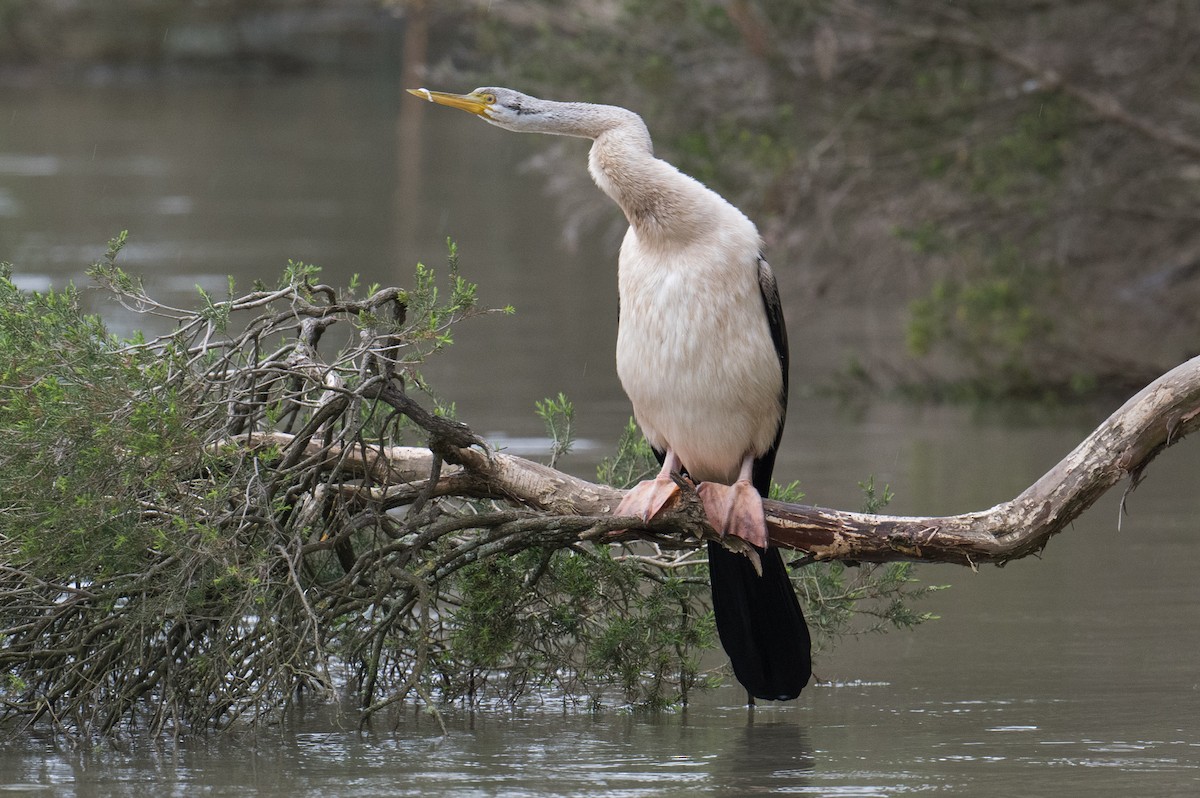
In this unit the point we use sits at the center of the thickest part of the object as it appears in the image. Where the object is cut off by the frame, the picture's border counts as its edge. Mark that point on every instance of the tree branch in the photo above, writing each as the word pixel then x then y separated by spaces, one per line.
pixel 1157 417
pixel 1106 106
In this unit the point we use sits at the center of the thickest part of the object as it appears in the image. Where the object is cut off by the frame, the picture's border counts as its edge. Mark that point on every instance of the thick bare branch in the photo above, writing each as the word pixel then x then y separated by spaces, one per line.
pixel 1104 105
pixel 1158 416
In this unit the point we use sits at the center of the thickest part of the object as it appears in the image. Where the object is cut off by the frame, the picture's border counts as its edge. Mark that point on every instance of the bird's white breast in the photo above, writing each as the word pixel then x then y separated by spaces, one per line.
pixel 694 350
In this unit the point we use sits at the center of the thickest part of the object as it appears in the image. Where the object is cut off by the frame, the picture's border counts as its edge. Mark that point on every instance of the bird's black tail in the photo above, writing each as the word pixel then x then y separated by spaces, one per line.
pixel 760 623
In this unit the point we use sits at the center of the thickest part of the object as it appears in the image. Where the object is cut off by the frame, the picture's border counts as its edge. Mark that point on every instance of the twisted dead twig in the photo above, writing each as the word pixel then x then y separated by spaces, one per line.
pixel 1158 416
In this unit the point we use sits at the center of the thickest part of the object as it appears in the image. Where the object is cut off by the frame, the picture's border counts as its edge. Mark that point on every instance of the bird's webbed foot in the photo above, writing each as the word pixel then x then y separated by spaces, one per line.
pixel 647 499
pixel 735 510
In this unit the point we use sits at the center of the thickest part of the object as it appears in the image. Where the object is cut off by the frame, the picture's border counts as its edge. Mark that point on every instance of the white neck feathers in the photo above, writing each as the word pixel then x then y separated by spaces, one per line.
pixel 658 200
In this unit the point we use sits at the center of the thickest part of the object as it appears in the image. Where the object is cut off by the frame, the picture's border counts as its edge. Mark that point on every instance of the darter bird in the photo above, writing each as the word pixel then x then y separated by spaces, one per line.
pixel 702 354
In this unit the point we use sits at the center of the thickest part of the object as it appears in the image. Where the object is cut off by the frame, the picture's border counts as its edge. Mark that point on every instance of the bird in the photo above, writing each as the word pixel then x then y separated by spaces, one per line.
pixel 702 355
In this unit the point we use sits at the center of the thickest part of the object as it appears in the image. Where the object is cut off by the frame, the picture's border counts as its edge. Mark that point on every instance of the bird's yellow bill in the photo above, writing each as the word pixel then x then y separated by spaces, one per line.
pixel 466 102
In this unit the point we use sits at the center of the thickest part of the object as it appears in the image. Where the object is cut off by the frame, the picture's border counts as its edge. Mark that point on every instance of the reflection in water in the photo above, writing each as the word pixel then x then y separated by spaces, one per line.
pixel 763 756
pixel 718 754
pixel 1070 675
pixel 871 747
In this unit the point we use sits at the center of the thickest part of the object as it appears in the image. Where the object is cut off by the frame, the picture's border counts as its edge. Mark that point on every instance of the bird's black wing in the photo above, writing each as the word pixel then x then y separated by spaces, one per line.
pixel 765 465
pixel 759 620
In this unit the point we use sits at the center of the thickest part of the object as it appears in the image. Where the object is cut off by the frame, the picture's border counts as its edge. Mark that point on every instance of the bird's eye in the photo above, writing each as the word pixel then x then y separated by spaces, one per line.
pixel 490 99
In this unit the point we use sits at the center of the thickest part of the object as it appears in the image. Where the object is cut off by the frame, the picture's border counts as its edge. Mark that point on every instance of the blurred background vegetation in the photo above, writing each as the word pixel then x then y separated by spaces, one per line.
pixel 1020 178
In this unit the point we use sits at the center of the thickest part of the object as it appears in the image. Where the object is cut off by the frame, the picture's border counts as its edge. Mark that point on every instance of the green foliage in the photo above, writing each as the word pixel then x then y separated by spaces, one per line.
pixel 849 599
pixel 989 322
pixel 92 432
pixel 727 152
pixel 875 499
pixel 926 238
pixel 424 302
pixel 181 573
pixel 843 600
pixel 580 620
pixel 993 314
pixel 650 645
pixel 1026 160
pixel 558 414
pixel 787 493
pixel 633 462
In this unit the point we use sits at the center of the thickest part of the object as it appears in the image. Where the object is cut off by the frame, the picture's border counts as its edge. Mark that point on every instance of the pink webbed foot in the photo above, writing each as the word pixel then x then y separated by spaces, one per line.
pixel 648 498
pixel 735 510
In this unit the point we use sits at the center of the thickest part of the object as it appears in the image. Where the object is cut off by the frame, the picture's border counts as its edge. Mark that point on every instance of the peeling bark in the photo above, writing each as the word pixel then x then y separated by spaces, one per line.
pixel 1155 418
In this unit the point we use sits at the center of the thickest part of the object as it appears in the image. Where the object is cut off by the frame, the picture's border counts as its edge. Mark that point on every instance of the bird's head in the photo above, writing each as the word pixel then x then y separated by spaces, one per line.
pixel 505 108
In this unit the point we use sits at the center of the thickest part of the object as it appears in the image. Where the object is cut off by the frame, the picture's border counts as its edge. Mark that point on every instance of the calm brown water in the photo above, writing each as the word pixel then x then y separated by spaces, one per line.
pixel 1071 675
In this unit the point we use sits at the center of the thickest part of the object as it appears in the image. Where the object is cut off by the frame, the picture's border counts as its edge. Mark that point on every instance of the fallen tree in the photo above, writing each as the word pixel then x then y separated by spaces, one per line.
pixel 1158 416
pixel 205 527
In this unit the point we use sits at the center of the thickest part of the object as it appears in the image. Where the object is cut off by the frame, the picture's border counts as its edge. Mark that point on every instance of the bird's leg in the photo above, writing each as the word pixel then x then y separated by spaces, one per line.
pixel 647 498
pixel 736 509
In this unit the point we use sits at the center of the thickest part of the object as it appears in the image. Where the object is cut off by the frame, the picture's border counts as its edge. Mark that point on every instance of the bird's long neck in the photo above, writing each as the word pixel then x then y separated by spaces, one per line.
pixel 656 197
pixel 659 201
